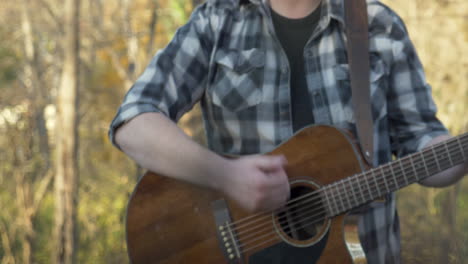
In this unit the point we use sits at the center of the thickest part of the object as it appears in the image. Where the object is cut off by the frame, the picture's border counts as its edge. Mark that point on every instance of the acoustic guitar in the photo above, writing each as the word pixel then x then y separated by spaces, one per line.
pixel 169 221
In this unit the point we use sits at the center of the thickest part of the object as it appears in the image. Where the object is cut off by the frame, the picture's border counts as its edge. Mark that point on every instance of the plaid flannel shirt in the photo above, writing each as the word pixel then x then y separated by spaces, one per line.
pixel 228 58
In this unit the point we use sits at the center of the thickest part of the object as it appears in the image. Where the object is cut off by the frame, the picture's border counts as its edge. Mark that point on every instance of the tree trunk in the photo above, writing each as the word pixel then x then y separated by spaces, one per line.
pixel 132 46
pixel 152 29
pixel 127 72
pixel 28 200
pixel 8 257
pixel 66 178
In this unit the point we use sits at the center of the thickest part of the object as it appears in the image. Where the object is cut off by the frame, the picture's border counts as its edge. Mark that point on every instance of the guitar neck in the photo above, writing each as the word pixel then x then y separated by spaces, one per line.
pixel 351 192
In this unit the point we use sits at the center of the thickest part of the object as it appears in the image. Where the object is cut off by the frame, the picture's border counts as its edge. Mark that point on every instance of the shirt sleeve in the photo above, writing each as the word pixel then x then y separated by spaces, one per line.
pixel 176 76
pixel 411 108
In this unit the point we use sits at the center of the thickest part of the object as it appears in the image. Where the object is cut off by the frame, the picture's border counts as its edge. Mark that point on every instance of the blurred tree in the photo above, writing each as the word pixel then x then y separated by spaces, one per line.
pixel 66 178
pixel 24 131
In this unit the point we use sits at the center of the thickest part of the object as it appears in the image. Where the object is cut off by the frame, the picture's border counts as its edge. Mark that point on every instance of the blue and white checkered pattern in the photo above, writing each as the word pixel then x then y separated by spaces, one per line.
pixel 228 58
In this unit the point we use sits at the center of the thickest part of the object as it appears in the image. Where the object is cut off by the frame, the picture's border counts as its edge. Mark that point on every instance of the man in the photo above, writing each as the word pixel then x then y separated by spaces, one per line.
pixel 262 70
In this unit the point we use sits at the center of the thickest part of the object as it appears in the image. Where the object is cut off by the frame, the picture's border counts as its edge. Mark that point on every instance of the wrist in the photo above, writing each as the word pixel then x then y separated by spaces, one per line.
pixel 218 173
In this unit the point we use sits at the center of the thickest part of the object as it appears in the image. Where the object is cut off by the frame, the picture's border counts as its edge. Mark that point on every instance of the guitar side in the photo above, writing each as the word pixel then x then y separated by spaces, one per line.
pixel 169 221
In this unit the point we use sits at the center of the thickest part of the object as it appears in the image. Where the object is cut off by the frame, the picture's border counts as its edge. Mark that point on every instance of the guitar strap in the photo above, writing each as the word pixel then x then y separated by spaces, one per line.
pixel 357 35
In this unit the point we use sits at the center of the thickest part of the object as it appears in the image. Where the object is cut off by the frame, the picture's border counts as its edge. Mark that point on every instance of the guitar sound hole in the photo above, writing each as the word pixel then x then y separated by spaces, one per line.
pixel 304 217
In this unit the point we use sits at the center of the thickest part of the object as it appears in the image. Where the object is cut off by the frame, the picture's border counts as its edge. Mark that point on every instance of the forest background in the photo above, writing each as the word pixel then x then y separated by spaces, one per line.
pixel 64 69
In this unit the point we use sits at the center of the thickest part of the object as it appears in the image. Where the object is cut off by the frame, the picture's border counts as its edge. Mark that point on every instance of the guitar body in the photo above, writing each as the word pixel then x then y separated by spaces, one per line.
pixel 173 222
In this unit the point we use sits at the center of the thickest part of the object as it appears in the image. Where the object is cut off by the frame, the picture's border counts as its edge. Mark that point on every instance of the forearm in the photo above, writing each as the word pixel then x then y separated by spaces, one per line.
pixel 157 144
pixel 446 177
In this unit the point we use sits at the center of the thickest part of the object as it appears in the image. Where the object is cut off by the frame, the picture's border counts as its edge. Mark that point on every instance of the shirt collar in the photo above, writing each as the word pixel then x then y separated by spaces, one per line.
pixel 334 9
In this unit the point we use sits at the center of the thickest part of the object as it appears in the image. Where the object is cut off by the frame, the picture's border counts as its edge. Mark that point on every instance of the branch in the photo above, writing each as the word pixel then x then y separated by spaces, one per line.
pixel 41 190
pixel 52 15
pixel 8 258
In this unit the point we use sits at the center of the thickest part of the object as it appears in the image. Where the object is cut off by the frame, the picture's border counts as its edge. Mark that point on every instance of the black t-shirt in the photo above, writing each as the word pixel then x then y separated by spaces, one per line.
pixel 293 35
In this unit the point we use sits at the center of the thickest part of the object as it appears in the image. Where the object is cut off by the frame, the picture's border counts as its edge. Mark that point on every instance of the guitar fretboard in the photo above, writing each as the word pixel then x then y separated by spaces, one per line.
pixel 351 192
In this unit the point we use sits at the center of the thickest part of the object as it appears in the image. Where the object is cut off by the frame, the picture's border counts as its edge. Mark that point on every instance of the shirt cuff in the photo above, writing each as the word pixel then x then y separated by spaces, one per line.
pixel 125 114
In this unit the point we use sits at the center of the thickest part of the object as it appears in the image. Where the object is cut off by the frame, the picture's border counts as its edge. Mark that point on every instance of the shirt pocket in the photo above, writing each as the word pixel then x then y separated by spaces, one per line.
pixel 238 80
pixel 377 72
pixel 378 86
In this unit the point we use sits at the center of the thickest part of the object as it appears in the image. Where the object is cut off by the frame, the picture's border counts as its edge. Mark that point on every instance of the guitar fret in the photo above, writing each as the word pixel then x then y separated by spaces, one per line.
pixel 425 165
pixel 335 205
pixel 394 178
pixel 376 185
pixel 354 202
pixel 354 190
pixel 384 180
pixel 327 200
pixel 343 197
pixel 357 189
pixel 348 193
pixel 461 148
pixel 360 191
pixel 368 188
pixel 443 157
pixel 458 156
pixel 450 156
pixel 334 200
pixel 403 172
pixel 342 208
pixel 435 159
pixel 414 168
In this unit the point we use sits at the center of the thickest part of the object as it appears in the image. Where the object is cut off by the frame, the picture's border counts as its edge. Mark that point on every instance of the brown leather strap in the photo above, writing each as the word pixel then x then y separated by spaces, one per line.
pixel 358 56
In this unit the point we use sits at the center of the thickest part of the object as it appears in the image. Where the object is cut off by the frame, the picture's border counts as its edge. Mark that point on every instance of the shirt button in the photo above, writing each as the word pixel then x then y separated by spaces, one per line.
pixel 284 70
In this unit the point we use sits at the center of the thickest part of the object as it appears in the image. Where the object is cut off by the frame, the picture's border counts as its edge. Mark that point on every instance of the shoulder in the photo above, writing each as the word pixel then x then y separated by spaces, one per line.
pixel 384 20
pixel 223 4
pixel 231 6
pixel 216 8
pixel 211 14
pixel 219 13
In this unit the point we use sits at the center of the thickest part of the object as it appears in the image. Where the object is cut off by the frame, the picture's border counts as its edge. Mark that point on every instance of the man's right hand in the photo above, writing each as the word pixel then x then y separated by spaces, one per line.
pixel 257 182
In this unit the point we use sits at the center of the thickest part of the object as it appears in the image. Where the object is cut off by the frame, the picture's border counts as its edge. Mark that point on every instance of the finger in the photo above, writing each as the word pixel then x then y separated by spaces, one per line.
pixel 271 163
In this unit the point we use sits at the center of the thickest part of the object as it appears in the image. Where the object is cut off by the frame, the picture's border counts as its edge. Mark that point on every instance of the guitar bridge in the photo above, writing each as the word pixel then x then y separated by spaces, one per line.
pixel 224 229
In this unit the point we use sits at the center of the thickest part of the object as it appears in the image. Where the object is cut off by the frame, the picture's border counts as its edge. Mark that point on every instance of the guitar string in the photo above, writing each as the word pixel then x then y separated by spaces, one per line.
pixel 240 222
pixel 302 218
pixel 272 239
pixel 311 223
pixel 288 208
pixel 281 220
pixel 401 174
pixel 257 245
pixel 320 219
pixel 262 215
pixel 278 238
